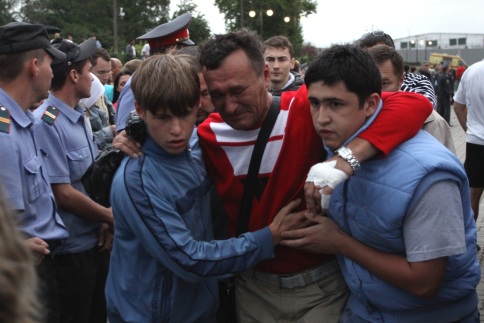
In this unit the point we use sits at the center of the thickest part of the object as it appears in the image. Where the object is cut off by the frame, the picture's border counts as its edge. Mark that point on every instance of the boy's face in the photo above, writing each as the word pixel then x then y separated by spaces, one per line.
pixel 170 132
pixel 336 112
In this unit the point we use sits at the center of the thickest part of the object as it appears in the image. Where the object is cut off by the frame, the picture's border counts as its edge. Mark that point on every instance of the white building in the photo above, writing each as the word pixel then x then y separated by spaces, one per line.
pixel 440 41
pixel 417 48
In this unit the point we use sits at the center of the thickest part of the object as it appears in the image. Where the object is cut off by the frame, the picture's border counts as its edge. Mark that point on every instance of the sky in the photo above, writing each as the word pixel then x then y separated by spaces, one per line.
pixel 344 21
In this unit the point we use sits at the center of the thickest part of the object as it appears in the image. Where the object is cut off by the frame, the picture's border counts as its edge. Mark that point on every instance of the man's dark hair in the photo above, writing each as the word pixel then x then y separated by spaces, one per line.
pixel 350 65
pixel 11 65
pixel 214 51
pixel 60 76
pixel 373 38
pixel 100 52
pixel 279 42
pixel 191 51
pixel 383 53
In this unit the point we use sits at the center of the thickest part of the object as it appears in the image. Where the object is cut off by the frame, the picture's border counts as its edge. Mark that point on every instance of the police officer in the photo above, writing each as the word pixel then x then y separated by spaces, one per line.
pixel 65 136
pixel 445 88
pixel 172 35
pixel 25 78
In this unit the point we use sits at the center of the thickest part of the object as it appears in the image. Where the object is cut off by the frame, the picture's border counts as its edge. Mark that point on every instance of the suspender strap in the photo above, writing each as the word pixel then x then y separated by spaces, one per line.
pixel 253 173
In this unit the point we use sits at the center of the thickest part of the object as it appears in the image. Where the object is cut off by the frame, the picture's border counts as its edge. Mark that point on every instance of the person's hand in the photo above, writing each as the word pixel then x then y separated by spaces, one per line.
pixel 105 238
pixel 113 130
pixel 321 181
pixel 285 220
pixel 323 237
pixel 39 249
pixel 127 145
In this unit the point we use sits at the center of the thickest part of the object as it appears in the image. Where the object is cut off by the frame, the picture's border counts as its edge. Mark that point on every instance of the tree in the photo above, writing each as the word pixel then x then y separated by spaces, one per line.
pixel 6 11
pixel 268 26
pixel 83 19
pixel 199 29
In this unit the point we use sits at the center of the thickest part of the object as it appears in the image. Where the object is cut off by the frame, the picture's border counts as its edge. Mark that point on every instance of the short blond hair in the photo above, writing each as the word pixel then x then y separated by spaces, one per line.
pixel 167 83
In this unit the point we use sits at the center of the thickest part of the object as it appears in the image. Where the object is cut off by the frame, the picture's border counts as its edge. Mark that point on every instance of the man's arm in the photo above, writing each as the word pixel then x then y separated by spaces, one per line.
pixel 402 116
pixel 461 114
pixel 74 201
pixel 421 279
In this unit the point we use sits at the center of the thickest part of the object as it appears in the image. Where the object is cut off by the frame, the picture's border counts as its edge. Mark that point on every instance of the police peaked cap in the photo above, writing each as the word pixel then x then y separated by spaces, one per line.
pixel 170 33
pixel 17 37
pixel 74 53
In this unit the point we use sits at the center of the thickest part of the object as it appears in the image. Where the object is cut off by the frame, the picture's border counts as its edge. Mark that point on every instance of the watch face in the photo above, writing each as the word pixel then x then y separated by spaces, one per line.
pixel 343 152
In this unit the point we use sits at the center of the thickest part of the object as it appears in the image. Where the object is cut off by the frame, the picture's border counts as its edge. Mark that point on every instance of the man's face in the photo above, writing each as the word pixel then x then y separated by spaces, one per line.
pixel 391 82
pixel 280 63
pixel 206 106
pixel 336 112
pixel 45 76
pixel 170 132
pixel 116 67
pixel 102 70
pixel 239 93
pixel 425 67
pixel 83 86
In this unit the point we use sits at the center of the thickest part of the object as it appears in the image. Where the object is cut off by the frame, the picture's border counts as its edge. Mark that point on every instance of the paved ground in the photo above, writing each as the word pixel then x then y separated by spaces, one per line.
pixel 458 135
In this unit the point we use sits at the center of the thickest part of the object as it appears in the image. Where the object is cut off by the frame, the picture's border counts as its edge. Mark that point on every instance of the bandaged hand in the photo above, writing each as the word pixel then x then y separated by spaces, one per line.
pixel 324 174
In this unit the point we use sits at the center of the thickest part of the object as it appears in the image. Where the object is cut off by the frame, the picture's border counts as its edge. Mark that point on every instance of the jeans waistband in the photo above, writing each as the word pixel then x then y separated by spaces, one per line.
pixel 295 280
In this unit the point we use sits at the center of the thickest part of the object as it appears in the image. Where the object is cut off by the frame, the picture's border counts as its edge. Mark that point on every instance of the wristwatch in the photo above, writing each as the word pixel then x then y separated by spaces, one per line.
pixel 347 155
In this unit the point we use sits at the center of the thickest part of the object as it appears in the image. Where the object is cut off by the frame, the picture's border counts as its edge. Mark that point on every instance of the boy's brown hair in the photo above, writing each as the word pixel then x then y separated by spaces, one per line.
pixel 167 83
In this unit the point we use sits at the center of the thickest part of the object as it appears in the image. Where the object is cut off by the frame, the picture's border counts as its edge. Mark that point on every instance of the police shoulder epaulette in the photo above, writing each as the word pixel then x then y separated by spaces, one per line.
pixel 50 115
pixel 4 120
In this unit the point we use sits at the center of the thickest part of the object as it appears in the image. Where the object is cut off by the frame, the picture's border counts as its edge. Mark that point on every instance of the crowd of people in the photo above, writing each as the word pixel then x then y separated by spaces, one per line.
pixel 257 194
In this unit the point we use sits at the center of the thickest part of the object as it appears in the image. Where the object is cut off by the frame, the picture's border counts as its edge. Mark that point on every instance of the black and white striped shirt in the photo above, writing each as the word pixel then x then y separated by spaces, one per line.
pixel 418 83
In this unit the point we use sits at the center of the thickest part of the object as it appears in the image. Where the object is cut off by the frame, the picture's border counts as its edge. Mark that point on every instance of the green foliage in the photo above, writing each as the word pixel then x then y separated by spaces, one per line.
pixel 199 29
pixel 268 26
pixel 6 11
pixel 83 19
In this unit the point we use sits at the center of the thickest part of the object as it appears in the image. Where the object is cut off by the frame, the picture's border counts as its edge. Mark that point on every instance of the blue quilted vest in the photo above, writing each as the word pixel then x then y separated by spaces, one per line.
pixel 371 206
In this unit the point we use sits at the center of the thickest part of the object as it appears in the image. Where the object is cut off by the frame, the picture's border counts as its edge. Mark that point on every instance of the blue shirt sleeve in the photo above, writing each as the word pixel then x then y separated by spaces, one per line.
pixel 125 106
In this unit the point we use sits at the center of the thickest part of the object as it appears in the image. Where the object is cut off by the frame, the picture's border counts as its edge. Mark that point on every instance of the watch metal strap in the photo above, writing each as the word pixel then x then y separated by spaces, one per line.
pixel 347 155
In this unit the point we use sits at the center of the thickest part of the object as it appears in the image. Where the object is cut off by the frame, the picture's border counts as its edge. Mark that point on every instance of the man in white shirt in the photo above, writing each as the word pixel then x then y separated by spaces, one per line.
pixel 469 109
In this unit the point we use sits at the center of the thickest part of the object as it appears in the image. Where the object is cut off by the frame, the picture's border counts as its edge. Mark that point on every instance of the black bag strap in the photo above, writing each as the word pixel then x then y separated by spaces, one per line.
pixel 254 166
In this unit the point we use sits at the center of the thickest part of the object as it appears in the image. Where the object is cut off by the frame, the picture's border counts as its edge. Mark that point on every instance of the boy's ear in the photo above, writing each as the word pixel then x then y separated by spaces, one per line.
pixel 372 104
pixel 139 110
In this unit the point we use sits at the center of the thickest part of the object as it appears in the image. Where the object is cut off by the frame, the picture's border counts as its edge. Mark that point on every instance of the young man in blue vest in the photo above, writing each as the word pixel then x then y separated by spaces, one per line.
pixel 402 226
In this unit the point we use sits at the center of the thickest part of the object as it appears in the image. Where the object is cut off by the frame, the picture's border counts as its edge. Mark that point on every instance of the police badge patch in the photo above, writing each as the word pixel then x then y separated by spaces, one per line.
pixel 4 120
pixel 50 115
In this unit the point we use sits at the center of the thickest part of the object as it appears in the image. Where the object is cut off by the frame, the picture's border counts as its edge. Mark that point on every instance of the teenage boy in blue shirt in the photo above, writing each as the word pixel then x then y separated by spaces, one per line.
pixel 165 264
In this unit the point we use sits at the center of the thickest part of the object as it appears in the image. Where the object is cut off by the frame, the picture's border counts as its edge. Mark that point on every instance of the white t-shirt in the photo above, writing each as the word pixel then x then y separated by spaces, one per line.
pixel 471 94
pixel 145 51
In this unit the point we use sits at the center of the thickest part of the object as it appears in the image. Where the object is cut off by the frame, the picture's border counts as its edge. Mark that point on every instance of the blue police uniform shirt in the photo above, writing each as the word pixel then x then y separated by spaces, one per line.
pixel 125 105
pixel 70 149
pixel 24 178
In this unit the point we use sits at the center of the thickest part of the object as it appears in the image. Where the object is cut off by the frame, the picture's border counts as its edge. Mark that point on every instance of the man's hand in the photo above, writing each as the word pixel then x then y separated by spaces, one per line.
pixel 324 237
pixel 321 181
pixel 39 249
pixel 127 145
pixel 285 220
pixel 105 238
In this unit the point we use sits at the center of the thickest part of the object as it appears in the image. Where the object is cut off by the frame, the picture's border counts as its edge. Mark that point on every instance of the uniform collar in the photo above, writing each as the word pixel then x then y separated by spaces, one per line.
pixel 72 114
pixel 21 117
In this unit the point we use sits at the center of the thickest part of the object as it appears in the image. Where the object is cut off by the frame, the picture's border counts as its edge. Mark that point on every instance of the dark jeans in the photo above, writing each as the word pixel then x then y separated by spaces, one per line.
pixel 48 292
pixel 80 279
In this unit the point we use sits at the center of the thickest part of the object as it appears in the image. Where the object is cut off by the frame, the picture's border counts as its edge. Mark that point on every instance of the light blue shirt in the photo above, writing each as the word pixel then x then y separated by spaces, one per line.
pixel 70 149
pixel 125 105
pixel 23 177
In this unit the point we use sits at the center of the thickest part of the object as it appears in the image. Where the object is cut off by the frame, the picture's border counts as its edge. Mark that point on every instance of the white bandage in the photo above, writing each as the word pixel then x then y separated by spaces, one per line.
pixel 324 174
